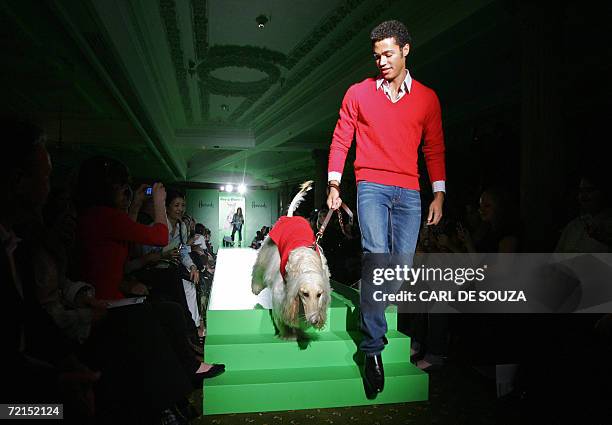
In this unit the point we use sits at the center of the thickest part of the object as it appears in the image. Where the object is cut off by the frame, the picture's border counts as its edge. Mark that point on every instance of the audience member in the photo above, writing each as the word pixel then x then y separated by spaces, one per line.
pixel 257 240
pixel 499 215
pixel 207 235
pixel 171 271
pixel 104 231
pixel 200 253
pixel 591 231
pixel 126 350
pixel 72 305
pixel 40 365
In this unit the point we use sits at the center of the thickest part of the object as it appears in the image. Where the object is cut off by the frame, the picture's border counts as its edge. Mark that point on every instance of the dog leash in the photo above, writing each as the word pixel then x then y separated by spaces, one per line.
pixel 328 217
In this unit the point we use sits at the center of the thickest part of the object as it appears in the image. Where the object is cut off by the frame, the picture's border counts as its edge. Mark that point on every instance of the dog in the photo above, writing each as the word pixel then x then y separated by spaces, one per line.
pixel 295 270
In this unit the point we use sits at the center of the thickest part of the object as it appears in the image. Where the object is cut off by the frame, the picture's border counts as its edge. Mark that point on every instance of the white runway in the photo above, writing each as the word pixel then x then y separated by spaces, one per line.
pixel 231 288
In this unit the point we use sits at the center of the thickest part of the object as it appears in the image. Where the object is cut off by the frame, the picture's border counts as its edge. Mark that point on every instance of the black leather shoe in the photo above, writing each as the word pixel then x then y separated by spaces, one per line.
pixel 374 373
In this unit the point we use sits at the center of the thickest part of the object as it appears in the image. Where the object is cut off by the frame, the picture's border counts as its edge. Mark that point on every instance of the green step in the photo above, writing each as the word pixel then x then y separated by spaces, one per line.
pixel 308 388
pixel 264 373
pixel 341 315
pixel 244 352
pixel 259 320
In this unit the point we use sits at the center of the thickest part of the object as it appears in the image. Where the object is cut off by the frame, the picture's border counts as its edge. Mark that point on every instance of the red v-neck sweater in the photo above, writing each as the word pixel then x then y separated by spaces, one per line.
pixel 103 235
pixel 388 135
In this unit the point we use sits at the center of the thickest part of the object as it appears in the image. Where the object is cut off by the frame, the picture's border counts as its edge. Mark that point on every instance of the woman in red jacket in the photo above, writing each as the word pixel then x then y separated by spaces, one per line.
pixel 104 231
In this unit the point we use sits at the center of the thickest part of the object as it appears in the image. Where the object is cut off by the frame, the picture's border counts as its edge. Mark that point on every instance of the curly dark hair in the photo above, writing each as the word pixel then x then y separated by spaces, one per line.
pixel 393 29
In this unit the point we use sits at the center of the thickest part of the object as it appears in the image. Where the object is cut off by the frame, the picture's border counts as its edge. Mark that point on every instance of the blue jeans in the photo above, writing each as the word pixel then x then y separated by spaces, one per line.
pixel 389 219
pixel 239 230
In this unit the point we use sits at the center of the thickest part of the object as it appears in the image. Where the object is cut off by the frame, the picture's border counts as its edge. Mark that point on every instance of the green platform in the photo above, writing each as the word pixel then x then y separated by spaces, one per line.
pixel 264 373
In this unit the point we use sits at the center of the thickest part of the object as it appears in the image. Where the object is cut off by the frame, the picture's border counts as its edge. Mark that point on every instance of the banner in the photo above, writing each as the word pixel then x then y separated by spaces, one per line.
pixel 215 209
pixel 228 205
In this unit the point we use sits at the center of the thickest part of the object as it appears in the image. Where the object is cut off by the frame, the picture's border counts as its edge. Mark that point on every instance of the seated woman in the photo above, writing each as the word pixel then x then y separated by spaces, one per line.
pixel 209 245
pixel 591 230
pixel 198 239
pixel 199 249
pixel 493 337
pixel 72 305
pixel 499 215
pixel 125 344
pixel 257 240
pixel 104 230
pixel 177 261
pixel 38 364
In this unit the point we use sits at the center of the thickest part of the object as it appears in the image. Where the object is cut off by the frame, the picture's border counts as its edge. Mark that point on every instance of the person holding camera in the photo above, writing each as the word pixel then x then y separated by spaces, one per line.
pixel 104 231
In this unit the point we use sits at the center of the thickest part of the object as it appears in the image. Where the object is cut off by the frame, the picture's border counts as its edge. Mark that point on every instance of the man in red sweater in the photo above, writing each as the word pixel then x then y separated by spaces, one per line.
pixel 389 116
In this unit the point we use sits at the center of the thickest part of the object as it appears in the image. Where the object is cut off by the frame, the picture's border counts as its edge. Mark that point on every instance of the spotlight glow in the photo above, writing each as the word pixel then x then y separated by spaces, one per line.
pixel 229 188
pixel 242 188
pixel 222 188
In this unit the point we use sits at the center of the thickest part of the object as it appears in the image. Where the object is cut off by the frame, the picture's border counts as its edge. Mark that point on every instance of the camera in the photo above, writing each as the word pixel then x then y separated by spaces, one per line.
pixel 149 191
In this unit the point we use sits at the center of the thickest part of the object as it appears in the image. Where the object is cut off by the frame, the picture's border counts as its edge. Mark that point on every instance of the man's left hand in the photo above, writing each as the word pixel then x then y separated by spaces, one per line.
pixel 435 209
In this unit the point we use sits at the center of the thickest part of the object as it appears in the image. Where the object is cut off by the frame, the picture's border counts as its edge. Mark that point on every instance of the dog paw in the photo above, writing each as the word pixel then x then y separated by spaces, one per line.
pixel 286 333
pixel 288 337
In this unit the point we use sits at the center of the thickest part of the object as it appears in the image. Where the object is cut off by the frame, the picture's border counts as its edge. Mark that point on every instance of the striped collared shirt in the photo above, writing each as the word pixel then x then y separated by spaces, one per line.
pixel 403 89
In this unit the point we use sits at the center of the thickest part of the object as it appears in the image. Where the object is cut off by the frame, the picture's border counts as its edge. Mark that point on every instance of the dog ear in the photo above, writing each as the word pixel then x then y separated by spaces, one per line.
pixel 324 265
pixel 292 310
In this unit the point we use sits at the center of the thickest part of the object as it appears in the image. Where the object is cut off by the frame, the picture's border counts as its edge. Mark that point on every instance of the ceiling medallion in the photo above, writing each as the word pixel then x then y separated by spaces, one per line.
pixel 221 56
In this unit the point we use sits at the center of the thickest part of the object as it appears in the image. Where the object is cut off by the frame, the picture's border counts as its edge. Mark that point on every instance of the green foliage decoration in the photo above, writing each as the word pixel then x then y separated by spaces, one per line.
pixel 221 56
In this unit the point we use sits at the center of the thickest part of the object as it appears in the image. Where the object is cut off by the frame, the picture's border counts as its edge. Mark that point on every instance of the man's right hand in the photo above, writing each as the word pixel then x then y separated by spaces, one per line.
pixel 333 198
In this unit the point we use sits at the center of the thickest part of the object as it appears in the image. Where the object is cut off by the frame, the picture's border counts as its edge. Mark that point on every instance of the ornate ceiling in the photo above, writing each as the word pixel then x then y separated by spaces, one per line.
pixel 194 90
